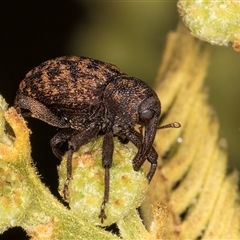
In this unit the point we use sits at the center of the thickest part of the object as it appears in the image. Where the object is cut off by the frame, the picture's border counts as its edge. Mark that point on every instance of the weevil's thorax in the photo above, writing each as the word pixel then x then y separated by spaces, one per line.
pixel 91 115
pixel 123 98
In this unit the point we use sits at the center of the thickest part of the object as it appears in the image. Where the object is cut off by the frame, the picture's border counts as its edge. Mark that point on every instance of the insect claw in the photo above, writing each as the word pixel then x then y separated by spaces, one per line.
pixel 102 214
pixel 65 189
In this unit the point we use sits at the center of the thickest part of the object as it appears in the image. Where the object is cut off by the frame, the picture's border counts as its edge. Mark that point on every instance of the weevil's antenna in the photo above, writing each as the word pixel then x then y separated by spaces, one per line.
pixel 171 125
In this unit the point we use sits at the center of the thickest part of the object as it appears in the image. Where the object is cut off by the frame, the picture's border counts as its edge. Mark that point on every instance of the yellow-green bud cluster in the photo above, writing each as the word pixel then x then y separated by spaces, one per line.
pixel 14 196
pixel 216 22
pixel 86 189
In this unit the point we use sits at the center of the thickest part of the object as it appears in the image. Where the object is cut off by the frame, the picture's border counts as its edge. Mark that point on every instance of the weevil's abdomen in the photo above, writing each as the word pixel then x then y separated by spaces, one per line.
pixel 68 82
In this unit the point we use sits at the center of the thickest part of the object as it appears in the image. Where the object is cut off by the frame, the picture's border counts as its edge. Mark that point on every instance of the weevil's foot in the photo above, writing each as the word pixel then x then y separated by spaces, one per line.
pixel 102 214
pixel 65 189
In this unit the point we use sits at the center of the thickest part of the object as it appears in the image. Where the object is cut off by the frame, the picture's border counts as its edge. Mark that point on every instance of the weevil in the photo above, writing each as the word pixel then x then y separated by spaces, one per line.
pixel 84 98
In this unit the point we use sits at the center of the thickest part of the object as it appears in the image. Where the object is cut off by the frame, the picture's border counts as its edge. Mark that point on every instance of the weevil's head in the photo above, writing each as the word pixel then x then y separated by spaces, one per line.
pixel 131 102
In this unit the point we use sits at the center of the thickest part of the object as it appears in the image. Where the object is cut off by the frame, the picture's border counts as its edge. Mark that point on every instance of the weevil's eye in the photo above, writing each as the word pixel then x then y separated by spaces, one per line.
pixel 146 115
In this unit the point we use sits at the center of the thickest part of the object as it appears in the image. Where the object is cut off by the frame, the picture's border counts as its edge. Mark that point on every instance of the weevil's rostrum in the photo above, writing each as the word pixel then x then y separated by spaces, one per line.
pixel 85 97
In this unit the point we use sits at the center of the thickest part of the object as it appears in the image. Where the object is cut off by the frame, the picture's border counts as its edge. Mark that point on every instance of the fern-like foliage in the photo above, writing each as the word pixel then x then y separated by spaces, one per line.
pixel 202 199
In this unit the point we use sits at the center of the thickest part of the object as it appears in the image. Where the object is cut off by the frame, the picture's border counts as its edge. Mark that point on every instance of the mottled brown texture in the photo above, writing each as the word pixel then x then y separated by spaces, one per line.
pixel 85 97
pixel 68 83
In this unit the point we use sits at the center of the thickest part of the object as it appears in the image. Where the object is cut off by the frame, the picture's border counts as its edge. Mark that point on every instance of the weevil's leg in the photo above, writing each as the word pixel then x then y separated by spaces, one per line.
pixel 152 158
pixel 74 144
pixel 107 154
pixel 59 139
pixel 135 138
pixel 39 111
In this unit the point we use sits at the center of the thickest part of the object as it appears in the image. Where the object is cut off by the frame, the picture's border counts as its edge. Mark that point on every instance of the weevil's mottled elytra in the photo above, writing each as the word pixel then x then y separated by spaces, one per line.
pixel 85 97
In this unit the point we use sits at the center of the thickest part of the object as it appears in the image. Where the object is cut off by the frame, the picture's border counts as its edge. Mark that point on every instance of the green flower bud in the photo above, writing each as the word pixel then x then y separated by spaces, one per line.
pixel 86 190
pixel 216 22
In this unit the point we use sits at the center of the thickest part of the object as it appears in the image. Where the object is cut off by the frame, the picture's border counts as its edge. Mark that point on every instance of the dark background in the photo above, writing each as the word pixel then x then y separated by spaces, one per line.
pixel 128 34
pixel 32 32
